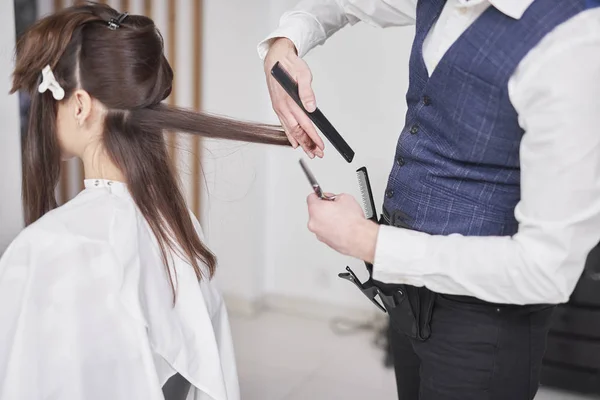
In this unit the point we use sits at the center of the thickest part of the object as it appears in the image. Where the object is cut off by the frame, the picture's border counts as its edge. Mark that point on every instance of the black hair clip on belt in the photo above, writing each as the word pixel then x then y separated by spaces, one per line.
pixel 369 289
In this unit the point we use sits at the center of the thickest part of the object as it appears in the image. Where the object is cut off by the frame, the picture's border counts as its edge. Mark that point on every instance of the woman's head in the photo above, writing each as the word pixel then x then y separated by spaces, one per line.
pixel 105 70
pixel 114 75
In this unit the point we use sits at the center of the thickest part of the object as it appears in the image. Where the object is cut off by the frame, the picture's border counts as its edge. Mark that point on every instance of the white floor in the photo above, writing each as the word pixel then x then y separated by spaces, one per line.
pixel 283 357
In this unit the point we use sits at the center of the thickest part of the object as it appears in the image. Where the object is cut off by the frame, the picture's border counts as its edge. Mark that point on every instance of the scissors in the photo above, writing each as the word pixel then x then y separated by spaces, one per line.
pixel 313 182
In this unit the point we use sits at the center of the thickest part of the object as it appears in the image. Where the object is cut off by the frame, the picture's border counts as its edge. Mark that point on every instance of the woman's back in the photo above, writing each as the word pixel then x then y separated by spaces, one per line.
pixel 88 311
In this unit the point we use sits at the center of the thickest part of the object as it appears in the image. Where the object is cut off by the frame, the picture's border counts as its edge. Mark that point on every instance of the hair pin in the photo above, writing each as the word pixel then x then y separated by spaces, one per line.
pixel 115 23
pixel 49 82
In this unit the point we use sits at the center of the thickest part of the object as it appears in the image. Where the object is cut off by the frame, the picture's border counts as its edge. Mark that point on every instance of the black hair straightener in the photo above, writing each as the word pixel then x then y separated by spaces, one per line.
pixel 317 117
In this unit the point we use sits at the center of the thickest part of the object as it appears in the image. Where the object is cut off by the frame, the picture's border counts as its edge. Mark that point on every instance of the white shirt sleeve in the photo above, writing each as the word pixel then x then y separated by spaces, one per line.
pixel 312 22
pixel 556 92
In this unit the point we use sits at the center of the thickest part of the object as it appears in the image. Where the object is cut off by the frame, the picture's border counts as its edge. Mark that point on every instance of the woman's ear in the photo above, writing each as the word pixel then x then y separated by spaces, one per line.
pixel 82 106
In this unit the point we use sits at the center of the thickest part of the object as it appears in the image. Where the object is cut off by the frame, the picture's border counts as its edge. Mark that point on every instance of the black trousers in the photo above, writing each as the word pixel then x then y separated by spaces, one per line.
pixel 476 351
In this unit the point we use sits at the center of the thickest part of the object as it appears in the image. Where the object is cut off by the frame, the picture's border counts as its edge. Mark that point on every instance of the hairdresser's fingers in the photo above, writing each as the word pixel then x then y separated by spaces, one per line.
pixel 291 139
pixel 285 124
pixel 290 126
pixel 309 147
pixel 296 131
pixel 293 128
pixel 312 199
pixel 300 71
pixel 307 135
pixel 306 143
pixel 281 108
pixel 304 78
pixel 283 115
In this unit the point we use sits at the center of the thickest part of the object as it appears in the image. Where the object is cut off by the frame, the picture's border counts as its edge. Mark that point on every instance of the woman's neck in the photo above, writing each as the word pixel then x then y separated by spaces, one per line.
pixel 98 165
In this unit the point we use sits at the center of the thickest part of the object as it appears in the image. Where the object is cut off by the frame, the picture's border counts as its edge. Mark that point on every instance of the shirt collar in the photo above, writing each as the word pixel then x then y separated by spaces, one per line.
pixel 512 8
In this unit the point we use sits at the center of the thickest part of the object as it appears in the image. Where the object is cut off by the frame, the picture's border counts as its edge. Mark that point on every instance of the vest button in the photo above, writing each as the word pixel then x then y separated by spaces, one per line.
pixel 400 161
pixel 415 129
pixel 427 100
pixel 389 193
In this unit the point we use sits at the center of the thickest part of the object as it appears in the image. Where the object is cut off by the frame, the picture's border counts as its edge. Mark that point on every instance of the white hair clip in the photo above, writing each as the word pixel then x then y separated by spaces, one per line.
pixel 49 82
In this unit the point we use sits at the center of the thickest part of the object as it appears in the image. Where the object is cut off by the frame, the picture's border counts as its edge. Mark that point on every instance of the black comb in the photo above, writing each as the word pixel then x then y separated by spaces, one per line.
pixel 367 193
pixel 317 117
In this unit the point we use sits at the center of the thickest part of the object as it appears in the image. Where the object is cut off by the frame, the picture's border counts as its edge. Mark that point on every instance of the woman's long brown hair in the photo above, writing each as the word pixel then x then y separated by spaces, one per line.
pixel 126 70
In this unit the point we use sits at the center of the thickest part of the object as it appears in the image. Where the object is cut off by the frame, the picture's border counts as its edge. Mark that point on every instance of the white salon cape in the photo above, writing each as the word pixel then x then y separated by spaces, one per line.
pixel 86 310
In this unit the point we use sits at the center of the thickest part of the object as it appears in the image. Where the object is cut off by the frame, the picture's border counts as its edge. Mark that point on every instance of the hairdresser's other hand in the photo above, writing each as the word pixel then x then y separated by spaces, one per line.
pixel 341 224
pixel 298 127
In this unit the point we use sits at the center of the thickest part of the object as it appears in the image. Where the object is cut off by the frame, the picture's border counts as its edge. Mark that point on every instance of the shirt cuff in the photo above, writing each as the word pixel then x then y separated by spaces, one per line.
pixel 303 30
pixel 398 256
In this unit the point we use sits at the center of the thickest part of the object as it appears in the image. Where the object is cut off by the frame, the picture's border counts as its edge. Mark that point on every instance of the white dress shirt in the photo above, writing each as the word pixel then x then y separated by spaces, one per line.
pixel 87 311
pixel 556 92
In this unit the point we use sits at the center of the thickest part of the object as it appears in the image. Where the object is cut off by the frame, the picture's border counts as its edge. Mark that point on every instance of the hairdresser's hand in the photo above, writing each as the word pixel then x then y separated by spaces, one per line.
pixel 298 127
pixel 341 224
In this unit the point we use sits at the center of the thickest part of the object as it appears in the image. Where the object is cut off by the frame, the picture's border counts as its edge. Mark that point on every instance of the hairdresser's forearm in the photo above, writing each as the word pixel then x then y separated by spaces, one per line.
pixel 524 269
pixel 312 22
pixel 308 25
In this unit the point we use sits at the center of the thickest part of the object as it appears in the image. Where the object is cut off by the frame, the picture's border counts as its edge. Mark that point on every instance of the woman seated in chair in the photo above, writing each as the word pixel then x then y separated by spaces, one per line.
pixel 109 296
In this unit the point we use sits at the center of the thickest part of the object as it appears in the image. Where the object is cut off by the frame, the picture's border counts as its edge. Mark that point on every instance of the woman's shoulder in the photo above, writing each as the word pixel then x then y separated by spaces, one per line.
pixel 81 226
pixel 89 214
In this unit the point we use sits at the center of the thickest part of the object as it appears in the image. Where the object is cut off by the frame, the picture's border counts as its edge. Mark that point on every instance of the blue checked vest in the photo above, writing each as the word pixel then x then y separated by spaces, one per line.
pixel 456 167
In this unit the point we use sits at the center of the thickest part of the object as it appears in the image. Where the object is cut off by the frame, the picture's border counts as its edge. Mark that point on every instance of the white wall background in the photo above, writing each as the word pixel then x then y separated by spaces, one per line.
pixel 254 211
pixel 11 217
pixel 234 203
